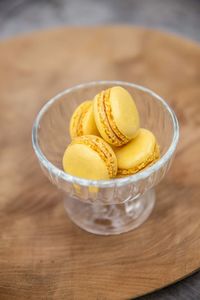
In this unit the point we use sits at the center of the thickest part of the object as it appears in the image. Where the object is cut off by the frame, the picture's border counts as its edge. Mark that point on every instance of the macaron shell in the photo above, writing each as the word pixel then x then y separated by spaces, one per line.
pixel 88 123
pixel 138 153
pixel 107 154
pixel 124 112
pixel 82 121
pixel 90 157
pixel 81 161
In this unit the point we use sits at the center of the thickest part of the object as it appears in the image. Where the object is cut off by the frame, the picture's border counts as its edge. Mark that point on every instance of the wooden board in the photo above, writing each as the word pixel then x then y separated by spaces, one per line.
pixel 42 254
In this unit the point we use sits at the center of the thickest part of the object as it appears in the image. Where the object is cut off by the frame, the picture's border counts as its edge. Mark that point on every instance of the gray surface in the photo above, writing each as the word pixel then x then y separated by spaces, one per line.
pixel 19 16
pixel 187 289
pixel 181 16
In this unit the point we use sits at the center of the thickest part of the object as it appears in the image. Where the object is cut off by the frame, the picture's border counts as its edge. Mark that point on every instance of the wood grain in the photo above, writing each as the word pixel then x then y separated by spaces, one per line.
pixel 42 254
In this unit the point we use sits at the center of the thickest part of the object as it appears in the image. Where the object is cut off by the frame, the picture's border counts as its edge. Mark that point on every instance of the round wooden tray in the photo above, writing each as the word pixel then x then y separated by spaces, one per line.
pixel 42 254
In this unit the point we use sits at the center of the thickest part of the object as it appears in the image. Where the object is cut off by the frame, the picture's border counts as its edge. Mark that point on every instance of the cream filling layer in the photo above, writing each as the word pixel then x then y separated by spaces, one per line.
pixel 106 118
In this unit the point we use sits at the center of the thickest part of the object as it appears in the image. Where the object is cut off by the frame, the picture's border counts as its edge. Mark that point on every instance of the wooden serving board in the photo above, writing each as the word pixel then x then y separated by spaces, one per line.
pixel 42 254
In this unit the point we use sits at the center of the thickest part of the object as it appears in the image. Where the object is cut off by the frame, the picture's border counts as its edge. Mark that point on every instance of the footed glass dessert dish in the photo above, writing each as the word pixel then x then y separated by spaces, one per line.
pixel 105 206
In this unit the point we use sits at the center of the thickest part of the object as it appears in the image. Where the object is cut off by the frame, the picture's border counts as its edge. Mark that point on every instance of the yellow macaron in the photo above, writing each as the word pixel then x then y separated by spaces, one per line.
pixel 90 157
pixel 116 116
pixel 82 121
pixel 139 153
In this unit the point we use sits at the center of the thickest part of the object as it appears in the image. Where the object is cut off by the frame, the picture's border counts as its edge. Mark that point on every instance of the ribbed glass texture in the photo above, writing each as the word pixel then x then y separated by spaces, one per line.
pixel 111 206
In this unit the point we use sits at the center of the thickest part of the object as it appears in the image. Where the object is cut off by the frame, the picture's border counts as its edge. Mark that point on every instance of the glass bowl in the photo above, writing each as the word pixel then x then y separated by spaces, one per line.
pixel 105 206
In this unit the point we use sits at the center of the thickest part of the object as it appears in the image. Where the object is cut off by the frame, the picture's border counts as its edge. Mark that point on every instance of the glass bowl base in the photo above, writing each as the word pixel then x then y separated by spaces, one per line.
pixel 110 219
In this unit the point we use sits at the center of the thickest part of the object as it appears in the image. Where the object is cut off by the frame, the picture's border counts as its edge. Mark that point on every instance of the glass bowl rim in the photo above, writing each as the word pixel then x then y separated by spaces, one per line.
pixel 116 181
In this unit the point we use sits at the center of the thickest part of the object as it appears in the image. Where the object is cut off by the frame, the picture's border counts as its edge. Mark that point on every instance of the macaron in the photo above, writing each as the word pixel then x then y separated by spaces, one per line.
pixel 90 157
pixel 116 116
pixel 138 153
pixel 82 121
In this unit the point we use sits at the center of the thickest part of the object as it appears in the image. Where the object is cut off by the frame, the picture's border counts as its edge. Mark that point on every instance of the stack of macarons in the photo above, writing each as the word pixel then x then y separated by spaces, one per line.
pixel 107 141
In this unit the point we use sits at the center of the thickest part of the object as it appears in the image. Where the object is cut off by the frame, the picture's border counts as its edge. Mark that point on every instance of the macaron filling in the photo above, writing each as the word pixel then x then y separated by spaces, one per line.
pixel 81 120
pixel 121 137
pixel 78 119
pixel 106 118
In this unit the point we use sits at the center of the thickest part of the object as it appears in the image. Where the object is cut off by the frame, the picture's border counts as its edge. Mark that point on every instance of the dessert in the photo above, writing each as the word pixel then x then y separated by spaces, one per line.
pixel 123 148
pixel 116 116
pixel 82 121
pixel 138 153
pixel 90 157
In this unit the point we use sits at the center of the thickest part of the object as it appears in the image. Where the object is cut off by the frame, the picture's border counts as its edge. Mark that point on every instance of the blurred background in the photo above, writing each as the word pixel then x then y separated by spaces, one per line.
pixel 22 16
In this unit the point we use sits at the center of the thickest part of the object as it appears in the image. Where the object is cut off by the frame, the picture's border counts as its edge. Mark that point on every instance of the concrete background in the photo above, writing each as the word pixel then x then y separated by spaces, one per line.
pixel 179 16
